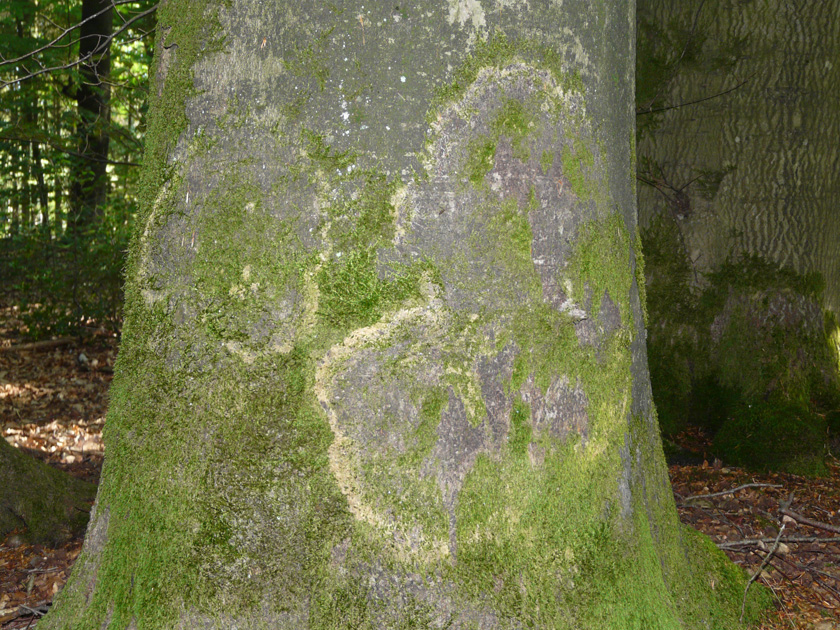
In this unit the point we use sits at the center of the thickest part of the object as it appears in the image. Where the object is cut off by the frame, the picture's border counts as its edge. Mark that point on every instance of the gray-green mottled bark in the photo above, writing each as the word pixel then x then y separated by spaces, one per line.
pixel 762 158
pixel 383 363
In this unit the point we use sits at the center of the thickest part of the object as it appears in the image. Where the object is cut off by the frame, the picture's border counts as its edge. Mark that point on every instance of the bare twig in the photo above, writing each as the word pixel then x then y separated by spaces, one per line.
pixel 809 521
pixel 787 539
pixel 58 147
pixel 40 611
pixel 815 571
pixel 699 100
pixel 831 590
pixel 39 345
pixel 100 48
pixel 755 575
pixel 781 606
pixel 734 490
pixel 680 58
pixel 67 31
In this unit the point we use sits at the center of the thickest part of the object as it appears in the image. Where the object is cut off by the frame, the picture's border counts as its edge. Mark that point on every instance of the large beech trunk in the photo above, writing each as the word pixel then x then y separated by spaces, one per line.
pixel 749 138
pixel 383 363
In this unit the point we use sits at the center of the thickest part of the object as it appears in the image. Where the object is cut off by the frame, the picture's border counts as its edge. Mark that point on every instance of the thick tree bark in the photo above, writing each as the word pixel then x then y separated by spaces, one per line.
pixel 737 117
pixel 762 157
pixel 383 363
pixel 49 505
pixel 89 177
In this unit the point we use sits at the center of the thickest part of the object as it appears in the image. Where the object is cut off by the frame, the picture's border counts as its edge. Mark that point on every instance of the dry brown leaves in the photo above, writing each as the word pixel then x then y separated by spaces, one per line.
pixel 804 576
pixel 53 407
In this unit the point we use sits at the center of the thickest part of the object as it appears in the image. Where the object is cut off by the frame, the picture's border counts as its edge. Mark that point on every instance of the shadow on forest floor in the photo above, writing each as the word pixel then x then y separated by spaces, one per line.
pixel 53 402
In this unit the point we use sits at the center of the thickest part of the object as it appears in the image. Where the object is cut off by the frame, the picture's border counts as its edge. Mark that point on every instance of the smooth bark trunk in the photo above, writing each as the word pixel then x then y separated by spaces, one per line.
pixel 383 363
pixel 89 177
pixel 757 166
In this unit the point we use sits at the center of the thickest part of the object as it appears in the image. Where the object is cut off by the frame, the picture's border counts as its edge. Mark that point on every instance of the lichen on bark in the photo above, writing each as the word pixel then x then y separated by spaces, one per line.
pixel 368 381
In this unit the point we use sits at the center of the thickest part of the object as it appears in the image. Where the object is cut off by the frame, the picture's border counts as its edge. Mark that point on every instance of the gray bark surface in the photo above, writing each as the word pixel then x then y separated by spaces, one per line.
pixel 383 363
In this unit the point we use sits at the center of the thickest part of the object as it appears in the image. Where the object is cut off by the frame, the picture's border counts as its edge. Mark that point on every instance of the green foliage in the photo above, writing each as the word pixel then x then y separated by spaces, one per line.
pixel 67 286
pixel 66 279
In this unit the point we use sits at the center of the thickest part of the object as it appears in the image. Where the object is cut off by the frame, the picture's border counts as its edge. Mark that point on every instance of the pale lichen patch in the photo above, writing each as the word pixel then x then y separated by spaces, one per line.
pixel 247 356
pixel 467 11
pixel 401 213
pixel 344 452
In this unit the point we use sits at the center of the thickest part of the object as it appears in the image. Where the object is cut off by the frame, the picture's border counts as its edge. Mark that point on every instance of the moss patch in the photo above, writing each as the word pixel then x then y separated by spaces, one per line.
pixel 577 162
pixel 747 354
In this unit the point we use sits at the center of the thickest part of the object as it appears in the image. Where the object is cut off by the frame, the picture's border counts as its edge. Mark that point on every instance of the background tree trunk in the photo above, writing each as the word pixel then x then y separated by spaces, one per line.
pixel 762 158
pixel 383 363
pixel 737 112
pixel 89 178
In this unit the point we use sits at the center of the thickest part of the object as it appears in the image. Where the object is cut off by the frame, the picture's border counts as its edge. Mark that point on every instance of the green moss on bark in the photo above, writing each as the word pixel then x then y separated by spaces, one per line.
pixel 338 402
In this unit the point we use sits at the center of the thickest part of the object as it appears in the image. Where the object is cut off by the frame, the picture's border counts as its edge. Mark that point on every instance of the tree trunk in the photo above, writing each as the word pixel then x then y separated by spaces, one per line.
pixel 737 119
pixel 762 157
pixel 89 177
pixel 383 363
pixel 50 505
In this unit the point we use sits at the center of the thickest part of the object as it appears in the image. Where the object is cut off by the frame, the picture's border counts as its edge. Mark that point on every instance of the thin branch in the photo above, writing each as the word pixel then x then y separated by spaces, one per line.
pixel 795 565
pixel 39 345
pixel 65 32
pixel 682 54
pixel 787 539
pixel 98 50
pixel 700 100
pixel 691 33
pixel 734 490
pixel 808 521
pixel 62 149
pixel 755 575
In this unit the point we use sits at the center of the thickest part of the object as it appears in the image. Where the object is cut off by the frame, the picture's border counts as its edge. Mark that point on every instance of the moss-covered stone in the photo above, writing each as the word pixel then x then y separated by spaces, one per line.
pixel 46 504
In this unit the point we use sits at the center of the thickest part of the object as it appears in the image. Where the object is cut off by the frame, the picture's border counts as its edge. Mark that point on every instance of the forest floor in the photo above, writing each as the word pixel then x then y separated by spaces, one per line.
pixel 53 401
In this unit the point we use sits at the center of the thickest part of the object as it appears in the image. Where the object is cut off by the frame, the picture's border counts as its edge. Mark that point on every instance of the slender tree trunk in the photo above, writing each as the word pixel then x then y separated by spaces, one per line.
pixel 383 363
pixel 43 198
pixel 89 179
pixel 14 202
pixel 36 169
